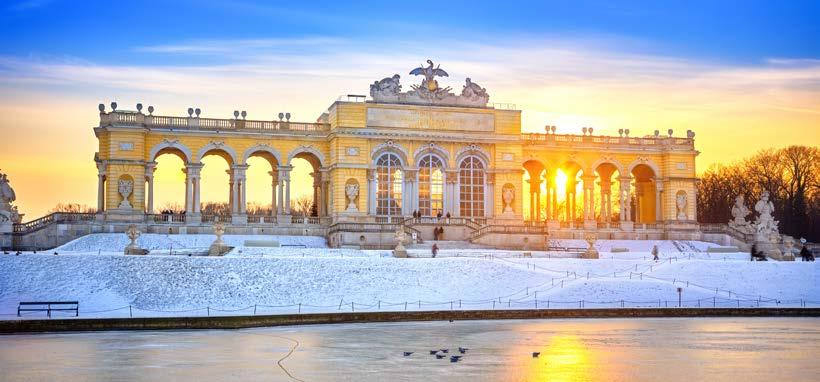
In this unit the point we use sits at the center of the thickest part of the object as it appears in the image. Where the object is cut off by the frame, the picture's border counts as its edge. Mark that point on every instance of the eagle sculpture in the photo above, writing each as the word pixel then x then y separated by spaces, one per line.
pixel 429 74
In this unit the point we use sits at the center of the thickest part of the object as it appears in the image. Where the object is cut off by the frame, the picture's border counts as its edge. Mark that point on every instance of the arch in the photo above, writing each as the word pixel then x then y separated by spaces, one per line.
pixel 267 151
pixel 389 147
pixel 644 161
pixel 171 147
pixel 218 148
pixel 609 160
pixel 475 151
pixel 309 153
pixel 431 148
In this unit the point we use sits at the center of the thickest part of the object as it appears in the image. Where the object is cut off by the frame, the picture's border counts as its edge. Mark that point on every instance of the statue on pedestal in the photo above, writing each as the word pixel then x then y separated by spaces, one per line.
pixel 8 213
pixel 125 188
pixel 591 252
pixel 767 236
pixel 218 247
pixel 739 213
pixel 508 195
pixel 133 234
pixel 352 191
pixel 400 251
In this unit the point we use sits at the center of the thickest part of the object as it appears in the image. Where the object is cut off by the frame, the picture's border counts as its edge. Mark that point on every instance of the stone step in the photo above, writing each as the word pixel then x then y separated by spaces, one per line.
pixel 448 244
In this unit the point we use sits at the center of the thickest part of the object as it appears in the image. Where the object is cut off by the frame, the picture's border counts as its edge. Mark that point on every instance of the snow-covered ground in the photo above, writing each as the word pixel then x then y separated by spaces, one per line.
pixel 314 278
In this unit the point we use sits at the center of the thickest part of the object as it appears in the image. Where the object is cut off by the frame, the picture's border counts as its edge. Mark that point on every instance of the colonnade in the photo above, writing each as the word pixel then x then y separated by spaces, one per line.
pixel 550 212
pixel 237 185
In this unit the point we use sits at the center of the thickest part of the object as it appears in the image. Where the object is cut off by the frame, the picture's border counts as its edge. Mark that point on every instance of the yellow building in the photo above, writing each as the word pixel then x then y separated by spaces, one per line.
pixel 427 151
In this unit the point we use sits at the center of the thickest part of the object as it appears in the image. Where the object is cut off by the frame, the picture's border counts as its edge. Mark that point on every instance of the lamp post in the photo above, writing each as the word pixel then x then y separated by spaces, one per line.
pixel 680 291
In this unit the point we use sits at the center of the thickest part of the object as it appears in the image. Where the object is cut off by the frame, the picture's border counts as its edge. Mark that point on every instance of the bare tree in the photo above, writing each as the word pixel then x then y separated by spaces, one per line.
pixel 73 208
pixel 302 206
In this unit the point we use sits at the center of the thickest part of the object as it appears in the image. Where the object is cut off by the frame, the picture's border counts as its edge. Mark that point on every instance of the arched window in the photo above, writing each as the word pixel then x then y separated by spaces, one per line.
pixel 471 187
pixel 388 185
pixel 431 185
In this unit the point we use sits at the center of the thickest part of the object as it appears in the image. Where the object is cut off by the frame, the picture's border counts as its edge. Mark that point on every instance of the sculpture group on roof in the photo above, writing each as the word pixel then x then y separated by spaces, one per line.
pixel 388 90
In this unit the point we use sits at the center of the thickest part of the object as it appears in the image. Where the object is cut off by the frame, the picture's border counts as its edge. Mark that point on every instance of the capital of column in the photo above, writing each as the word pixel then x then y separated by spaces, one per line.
pixel 451 176
pixel 410 175
pixel 275 175
pixel 490 178
pixel 371 174
pixel 192 169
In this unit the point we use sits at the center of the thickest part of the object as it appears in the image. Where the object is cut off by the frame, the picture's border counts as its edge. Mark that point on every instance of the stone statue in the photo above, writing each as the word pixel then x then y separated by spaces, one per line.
pixel 765 224
pixel 125 187
pixel 218 247
pixel 429 73
pixel 133 234
pixel 8 213
pixel 429 92
pixel 739 213
pixel 680 202
pixel 388 86
pixel 475 93
pixel 400 251
pixel 352 191
pixel 591 252
pixel 508 196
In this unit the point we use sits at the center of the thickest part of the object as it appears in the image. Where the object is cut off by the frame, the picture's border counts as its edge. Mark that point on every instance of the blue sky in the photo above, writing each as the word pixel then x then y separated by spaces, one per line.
pixel 109 31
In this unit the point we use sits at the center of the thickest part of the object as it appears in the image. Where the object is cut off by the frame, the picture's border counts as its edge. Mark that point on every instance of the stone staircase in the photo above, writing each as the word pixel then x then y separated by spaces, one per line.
pixel 447 244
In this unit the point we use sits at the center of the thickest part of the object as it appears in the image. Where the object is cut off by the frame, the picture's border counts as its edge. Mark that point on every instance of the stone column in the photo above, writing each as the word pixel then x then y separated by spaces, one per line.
pixel 658 192
pixel 273 200
pixel 101 168
pixel 554 203
pixel 371 191
pixel 193 190
pixel 324 191
pixel 149 177
pixel 286 175
pixel 489 196
pixel 532 199
pixel 606 202
pixel 548 205
pixel 280 205
pixel 409 192
pixel 451 195
pixel 626 184
pixel 317 187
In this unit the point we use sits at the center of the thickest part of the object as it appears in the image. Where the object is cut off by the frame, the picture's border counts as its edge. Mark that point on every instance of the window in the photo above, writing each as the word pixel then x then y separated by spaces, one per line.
pixel 388 185
pixel 431 185
pixel 471 187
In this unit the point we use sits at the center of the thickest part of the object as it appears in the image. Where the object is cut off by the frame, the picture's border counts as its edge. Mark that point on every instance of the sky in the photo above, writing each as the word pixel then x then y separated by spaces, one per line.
pixel 743 75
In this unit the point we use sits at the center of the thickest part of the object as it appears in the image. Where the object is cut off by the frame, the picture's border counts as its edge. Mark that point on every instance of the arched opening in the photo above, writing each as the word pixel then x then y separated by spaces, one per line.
pixel 167 188
pixel 389 185
pixel 431 185
pixel 216 180
pixel 306 179
pixel 471 184
pixel 262 179
pixel 643 199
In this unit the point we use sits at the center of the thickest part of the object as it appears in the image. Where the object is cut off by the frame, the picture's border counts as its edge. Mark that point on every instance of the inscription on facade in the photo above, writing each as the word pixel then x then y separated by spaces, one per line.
pixel 429 119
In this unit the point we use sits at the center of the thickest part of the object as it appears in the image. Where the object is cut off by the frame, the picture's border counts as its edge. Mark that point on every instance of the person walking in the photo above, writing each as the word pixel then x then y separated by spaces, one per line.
pixel 435 250
pixel 753 252
pixel 655 253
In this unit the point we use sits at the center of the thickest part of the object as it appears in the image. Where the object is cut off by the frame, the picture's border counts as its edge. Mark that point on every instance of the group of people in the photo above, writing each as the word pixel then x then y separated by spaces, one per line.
pixel 417 214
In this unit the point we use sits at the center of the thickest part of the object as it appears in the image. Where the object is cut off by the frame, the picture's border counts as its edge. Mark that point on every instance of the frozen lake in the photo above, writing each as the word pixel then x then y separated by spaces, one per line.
pixel 675 349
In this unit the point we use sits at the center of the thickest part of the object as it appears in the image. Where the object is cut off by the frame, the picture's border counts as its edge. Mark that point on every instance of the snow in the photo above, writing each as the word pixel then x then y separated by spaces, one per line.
pixel 314 278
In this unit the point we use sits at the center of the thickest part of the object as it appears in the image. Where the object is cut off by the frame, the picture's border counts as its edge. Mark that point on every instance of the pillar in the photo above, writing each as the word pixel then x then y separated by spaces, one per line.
pixel 489 196
pixel 658 191
pixel 371 191
pixel 273 200
pixel 149 177
pixel 325 193
pixel 285 170
pixel 192 189
pixel 625 191
pixel 451 192
pixel 606 200
pixel 101 168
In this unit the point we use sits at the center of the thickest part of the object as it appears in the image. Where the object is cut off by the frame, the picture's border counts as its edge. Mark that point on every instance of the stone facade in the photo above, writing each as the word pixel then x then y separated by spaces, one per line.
pixel 445 153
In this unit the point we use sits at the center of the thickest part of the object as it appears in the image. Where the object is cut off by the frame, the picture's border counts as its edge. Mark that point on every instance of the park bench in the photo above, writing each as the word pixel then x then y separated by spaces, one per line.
pixel 49 306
